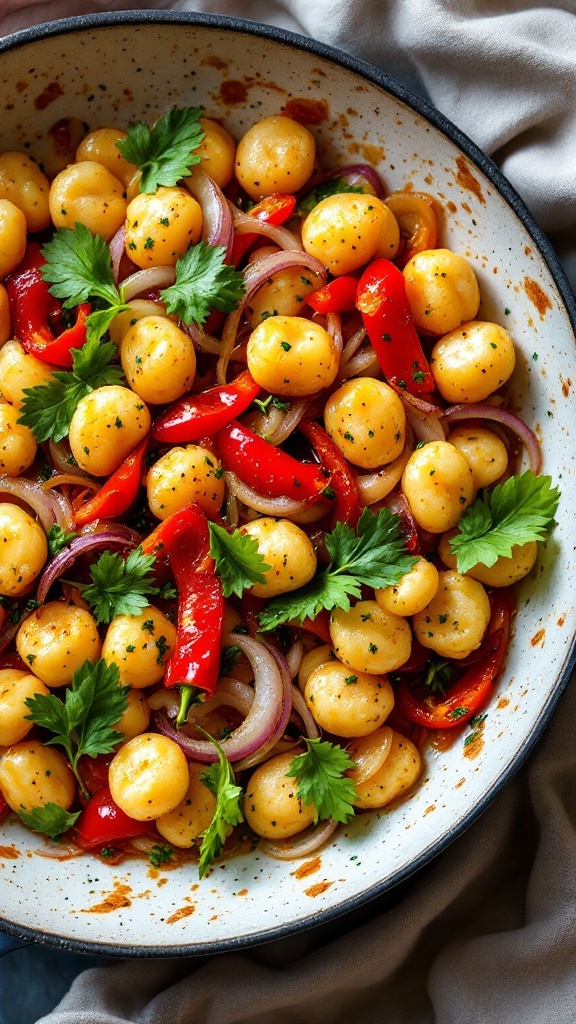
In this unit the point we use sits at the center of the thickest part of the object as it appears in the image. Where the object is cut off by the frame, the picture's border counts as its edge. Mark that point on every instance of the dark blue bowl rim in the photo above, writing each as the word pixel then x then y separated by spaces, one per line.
pixel 88 22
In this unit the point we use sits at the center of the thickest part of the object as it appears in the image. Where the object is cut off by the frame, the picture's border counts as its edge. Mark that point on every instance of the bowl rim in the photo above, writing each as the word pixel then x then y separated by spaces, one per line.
pixel 87 22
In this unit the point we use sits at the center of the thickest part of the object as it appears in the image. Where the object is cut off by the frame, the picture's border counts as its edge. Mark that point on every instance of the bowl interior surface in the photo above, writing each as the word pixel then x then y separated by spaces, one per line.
pixel 115 72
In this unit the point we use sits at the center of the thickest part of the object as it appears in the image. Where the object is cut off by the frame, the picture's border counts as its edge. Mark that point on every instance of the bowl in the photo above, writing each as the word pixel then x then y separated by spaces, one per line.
pixel 115 69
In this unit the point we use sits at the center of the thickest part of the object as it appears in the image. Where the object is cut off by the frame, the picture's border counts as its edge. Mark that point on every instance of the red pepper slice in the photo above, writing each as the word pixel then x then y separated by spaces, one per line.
pixel 184 539
pixel 32 307
pixel 474 687
pixel 267 469
pixel 389 324
pixel 102 821
pixel 274 209
pixel 194 416
pixel 338 296
pixel 346 505
pixel 119 491
pixel 94 771
pixel 4 809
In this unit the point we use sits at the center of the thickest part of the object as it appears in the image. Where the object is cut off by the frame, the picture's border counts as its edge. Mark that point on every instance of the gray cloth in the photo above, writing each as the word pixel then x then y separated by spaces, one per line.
pixel 487 935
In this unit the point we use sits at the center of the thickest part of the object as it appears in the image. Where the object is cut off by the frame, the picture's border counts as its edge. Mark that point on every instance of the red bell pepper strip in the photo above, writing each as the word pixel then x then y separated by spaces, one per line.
pixel 338 296
pixel 117 494
pixel 346 505
pixel 94 771
pixel 102 822
pixel 274 209
pixel 184 539
pixel 194 416
pixel 32 307
pixel 474 687
pixel 3 809
pixel 389 324
pixel 267 469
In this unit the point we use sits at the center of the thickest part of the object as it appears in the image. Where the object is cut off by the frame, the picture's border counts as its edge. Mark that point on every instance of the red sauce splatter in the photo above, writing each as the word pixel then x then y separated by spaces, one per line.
pixel 466 179
pixel 461 783
pixel 307 868
pixel 233 92
pixel 538 638
pixel 318 889
pixel 503 703
pixel 242 892
pixel 180 913
pixel 215 62
pixel 21 86
pixel 430 809
pixel 306 111
pixel 114 900
pixel 537 295
pixel 9 853
pixel 51 93
pixel 466 207
pixel 561 621
pixel 566 385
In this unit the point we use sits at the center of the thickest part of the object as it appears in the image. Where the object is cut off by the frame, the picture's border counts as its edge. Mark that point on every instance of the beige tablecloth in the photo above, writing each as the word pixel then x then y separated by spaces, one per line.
pixel 488 934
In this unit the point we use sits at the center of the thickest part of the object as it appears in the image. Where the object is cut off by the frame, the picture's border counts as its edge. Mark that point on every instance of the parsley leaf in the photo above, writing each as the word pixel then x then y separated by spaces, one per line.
pixel 48 408
pixel 239 564
pixel 376 557
pixel 319 773
pixel 83 722
pixel 520 510
pixel 203 282
pixel 220 781
pixel 164 153
pixel 120 587
pixel 333 187
pixel 79 267
pixel 439 671
pixel 57 539
pixel 160 854
pixel 50 819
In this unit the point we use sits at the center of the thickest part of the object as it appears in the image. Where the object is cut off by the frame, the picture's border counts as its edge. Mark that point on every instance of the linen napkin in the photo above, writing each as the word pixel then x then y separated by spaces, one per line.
pixel 488 934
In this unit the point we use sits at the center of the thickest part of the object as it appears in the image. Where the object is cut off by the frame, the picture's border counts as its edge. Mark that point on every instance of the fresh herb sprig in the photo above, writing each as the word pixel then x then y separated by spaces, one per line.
pixel 219 779
pixel 333 187
pixel 204 281
pixel 49 819
pixel 518 511
pixel 120 586
pixel 47 408
pixel 376 556
pixel 319 772
pixel 237 559
pixel 83 722
pixel 165 152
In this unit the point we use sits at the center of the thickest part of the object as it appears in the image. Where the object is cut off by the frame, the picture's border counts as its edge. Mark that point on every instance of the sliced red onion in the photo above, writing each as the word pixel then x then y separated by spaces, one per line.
pixel 62 850
pixel 43 503
pixel 281 506
pixel 302 845
pixel 266 719
pixel 397 503
pixel 63 511
pixel 117 246
pixel 352 346
pixel 216 212
pixel 289 421
pixel 147 280
pixel 353 174
pixel 334 328
pixel 69 554
pixel 299 704
pixel 230 693
pixel 369 753
pixel 244 224
pixel 363 364
pixel 373 487
pixel 294 658
pixel 484 411
pixel 255 275
pixel 424 417
pixel 62 458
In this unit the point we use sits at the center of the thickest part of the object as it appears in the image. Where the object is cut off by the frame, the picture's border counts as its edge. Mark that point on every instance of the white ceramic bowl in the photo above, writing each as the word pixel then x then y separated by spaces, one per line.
pixel 114 69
